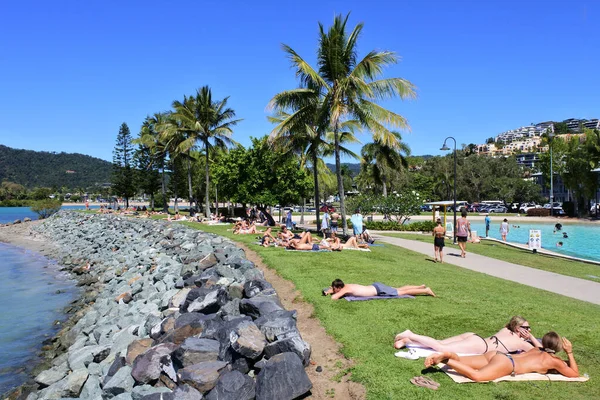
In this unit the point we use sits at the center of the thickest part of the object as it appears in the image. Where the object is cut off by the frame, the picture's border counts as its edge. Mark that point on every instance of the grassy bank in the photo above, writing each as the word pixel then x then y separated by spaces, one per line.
pixel 499 251
pixel 468 301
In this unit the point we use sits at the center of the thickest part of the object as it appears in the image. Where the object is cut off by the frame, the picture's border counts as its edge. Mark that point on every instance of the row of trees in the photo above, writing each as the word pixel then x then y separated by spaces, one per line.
pixel 317 119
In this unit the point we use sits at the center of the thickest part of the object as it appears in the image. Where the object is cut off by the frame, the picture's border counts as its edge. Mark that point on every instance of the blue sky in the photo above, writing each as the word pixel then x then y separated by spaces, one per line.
pixel 72 71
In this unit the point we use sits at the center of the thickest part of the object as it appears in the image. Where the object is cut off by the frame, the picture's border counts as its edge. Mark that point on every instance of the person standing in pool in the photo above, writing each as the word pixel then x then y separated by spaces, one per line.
pixel 463 230
pixel 488 222
pixel 504 229
pixel 438 241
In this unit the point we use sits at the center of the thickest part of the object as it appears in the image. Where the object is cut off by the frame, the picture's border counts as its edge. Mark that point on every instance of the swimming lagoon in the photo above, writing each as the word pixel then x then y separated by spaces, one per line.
pixel 581 241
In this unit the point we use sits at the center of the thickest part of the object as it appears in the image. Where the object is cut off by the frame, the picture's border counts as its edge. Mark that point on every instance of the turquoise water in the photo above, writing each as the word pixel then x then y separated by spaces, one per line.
pixel 33 294
pixel 582 239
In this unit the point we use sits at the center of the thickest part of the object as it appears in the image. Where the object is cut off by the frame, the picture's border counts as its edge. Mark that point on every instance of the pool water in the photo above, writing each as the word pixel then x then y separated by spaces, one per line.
pixel 582 240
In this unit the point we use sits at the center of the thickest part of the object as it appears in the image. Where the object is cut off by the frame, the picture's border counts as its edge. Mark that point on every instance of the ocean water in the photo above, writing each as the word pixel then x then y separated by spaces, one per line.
pixel 33 294
pixel 9 214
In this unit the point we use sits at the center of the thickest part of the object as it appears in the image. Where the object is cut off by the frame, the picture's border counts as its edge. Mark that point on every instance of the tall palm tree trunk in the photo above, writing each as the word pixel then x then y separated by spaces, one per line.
pixel 302 213
pixel 384 186
pixel 316 178
pixel 190 193
pixel 207 198
pixel 163 188
pixel 340 182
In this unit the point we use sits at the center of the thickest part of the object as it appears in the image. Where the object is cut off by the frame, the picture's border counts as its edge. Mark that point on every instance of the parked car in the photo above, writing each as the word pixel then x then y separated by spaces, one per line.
pixel 497 209
pixel 327 207
pixel 526 206
pixel 426 207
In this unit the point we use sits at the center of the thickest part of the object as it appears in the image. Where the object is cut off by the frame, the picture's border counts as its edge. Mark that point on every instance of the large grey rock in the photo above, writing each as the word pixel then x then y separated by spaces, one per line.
pixel 255 286
pixel 148 366
pixel 195 350
pixel 283 378
pixel 233 385
pixel 83 357
pixel 202 376
pixel 248 340
pixel 91 389
pixel 179 298
pixel 186 392
pixel 258 306
pixel 141 392
pixel 211 303
pixel 276 324
pixel 52 375
pixel 293 343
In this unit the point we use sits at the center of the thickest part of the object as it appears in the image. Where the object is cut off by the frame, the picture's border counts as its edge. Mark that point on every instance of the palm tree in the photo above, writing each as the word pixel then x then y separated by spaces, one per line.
pixel 348 88
pixel 150 137
pixel 384 158
pixel 204 120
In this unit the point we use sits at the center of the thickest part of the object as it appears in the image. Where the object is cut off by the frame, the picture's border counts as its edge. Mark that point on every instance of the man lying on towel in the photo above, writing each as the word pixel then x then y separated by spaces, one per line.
pixel 338 290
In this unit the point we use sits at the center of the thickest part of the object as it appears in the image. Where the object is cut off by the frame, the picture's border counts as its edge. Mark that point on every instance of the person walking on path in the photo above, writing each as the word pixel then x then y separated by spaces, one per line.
pixel 334 222
pixel 289 223
pixel 357 222
pixel 488 222
pixel 504 229
pixel 325 223
pixel 463 231
pixel 438 241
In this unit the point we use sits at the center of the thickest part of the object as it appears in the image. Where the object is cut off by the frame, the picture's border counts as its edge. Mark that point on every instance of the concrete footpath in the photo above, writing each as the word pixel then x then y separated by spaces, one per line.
pixel 576 288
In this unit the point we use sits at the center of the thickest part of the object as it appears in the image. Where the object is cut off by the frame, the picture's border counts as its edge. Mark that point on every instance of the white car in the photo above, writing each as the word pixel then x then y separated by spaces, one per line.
pixel 526 206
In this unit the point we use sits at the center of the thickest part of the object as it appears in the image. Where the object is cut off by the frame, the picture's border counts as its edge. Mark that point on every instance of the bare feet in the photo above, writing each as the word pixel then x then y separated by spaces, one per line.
pixel 400 343
pixel 435 359
pixel 403 335
pixel 430 292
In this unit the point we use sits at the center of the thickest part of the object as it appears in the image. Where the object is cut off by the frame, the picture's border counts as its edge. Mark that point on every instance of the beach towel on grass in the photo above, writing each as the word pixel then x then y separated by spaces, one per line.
pixel 310 251
pixel 356 298
pixel 534 376
pixel 420 352
pixel 359 249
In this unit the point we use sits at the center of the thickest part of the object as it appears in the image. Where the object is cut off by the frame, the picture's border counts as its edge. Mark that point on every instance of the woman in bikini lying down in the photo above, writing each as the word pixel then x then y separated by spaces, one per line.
pixel 514 337
pixel 494 364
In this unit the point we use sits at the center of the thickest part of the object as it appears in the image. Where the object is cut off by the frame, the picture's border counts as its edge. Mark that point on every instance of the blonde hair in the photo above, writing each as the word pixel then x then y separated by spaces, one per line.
pixel 515 322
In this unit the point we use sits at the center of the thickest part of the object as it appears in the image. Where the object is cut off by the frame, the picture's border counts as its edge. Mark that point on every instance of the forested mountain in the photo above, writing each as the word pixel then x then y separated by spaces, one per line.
pixel 44 169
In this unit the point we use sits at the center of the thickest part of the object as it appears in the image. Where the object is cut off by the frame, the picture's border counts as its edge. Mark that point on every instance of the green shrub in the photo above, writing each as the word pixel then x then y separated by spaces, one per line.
pixel 45 208
pixel 418 226
pixel 15 203
pixel 538 212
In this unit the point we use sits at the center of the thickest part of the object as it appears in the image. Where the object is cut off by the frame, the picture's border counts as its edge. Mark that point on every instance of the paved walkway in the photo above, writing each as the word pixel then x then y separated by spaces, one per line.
pixel 576 288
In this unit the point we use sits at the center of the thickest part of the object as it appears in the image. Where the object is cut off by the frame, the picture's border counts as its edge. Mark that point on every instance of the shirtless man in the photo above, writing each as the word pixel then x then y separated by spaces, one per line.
pixel 267 238
pixel 338 290
pixel 494 364
pixel 438 241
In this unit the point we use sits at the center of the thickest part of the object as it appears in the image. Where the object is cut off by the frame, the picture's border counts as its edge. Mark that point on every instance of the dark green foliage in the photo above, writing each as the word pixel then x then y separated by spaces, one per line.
pixel 569 208
pixel 122 178
pixel 538 212
pixel 261 176
pixel 45 208
pixel 147 175
pixel 40 168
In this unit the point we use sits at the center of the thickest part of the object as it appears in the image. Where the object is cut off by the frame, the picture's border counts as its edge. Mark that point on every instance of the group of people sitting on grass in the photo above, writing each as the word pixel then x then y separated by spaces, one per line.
pixel 305 241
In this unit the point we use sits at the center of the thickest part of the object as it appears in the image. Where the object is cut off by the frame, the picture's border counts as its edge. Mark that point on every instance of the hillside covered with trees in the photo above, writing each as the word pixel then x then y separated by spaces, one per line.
pixel 44 169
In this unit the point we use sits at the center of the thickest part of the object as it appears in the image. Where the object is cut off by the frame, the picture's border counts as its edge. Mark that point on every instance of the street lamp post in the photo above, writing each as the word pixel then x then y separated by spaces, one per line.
pixel 550 136
pixel 445 148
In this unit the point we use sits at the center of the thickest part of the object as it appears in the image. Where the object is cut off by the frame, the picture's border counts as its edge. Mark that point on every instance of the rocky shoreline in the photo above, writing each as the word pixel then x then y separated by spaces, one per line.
pixel 167 312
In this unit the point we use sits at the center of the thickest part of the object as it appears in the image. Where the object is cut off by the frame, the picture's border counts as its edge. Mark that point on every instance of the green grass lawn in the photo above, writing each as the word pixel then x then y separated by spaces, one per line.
pixel 500 251
pixel 467 301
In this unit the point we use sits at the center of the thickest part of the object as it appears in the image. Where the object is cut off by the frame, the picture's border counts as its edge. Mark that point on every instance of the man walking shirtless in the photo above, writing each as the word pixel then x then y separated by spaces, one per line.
pixel 339 289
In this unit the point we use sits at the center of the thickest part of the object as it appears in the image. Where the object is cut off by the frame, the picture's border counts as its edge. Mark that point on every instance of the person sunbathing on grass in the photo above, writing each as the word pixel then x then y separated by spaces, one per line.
pixel 339 289
pixel 514 337
pixel 496 364
pixel 334 243
pixel 267 238
pixel 285 233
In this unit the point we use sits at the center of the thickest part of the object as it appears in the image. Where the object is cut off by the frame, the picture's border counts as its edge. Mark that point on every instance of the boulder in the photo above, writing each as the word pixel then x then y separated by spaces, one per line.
pixel 202 376
pixel 233 385
pixel 148 366
pixel 52 375
pixel 145 391
pixel 196 350
pixel 283 378
pixel 248 340
pixel 186 392
pixel 179 298
pixel 136 348
pixel 258 306
pixel 121 382
pixel 211 303
pixel 255 286
pixel 293 343
pixel 277 323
